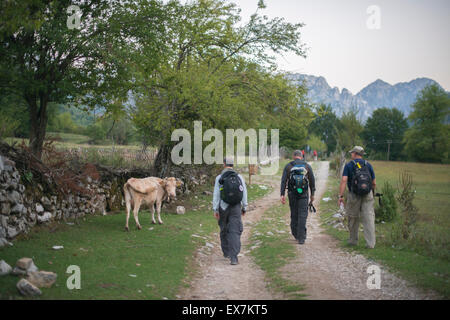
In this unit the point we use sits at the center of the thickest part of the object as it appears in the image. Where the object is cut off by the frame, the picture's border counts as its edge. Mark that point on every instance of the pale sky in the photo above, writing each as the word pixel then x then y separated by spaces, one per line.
pixel 412 42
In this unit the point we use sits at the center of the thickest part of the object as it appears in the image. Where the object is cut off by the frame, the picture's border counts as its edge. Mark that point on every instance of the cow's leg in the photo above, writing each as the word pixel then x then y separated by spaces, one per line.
pixel 158 209
pixel 128 205
pixel 137 205
pixel 152 206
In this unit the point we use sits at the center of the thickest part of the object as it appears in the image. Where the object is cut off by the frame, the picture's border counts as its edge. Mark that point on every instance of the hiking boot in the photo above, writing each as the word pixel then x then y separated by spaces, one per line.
pixel 301 241
pixel 234 260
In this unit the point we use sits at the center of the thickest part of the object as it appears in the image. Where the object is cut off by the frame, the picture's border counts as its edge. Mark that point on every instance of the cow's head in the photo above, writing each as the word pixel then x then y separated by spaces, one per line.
pixel 170 185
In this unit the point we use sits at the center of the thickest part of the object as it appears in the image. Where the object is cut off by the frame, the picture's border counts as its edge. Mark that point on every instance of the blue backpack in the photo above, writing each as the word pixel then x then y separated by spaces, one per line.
pixel 298 179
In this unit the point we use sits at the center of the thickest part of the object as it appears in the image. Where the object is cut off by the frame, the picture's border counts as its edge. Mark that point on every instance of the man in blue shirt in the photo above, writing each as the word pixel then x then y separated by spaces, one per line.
pixel 359 208
pixel 229 217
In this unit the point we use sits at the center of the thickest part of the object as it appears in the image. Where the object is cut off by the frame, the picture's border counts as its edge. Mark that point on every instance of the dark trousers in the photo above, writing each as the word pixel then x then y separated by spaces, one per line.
pixel 299 214
pixel 231 227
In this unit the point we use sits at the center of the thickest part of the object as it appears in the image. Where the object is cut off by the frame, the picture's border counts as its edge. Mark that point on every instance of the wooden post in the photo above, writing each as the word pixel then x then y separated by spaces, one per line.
pixel 252 169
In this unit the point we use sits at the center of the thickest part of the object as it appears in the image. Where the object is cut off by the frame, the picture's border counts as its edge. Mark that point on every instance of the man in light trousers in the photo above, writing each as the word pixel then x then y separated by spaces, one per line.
pixel 358 208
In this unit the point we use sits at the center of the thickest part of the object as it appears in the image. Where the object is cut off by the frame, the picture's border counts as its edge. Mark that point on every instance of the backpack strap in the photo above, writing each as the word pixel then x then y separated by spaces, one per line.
pixel 225 175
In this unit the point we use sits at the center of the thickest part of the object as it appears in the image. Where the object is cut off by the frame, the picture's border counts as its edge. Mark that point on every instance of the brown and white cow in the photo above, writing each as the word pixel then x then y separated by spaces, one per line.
pixel 152 191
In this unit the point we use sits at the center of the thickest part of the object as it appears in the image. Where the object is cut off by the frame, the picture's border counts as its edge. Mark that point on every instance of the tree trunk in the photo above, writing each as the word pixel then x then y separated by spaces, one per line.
pixel 38 124
pixel 163 160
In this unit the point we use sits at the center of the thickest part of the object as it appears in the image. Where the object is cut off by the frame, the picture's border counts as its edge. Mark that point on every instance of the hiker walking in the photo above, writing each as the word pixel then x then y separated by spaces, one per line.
pixel 229 204
pixel 298 177
pixel 359 177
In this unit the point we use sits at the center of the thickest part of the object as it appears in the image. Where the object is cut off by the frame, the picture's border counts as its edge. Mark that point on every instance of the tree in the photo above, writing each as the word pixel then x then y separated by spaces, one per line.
pixel 42 60
pixel 385 125
pixel 219 73
pixel 315 143
pixel 325 125
pixel 348 131
pixel 428 138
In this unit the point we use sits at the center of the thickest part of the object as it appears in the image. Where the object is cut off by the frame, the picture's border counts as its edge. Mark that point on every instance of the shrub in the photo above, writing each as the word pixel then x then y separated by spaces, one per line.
pixel 387 211
pixel 406 197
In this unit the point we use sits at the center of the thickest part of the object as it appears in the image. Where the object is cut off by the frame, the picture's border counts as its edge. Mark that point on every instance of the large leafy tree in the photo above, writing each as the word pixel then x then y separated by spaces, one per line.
pixel 349 131
pixel 42 60
pixel 383 127
pixel 220 73
pixel 324 126
pixel 428 139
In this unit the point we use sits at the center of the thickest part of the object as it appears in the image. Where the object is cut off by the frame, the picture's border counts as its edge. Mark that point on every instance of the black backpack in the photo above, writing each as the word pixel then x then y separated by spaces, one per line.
pixel 361 179
pixel 232 190
pixel 298 179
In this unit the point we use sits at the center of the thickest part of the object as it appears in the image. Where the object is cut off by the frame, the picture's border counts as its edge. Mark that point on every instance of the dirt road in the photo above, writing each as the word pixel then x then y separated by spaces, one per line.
pixel 324 269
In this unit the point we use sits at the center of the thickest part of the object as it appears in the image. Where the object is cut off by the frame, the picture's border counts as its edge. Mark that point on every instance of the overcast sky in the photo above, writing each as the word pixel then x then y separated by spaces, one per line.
pixel 412 41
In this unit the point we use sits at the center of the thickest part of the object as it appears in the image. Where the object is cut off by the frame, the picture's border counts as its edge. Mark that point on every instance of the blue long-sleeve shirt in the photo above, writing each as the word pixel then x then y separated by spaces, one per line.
pixel 216 195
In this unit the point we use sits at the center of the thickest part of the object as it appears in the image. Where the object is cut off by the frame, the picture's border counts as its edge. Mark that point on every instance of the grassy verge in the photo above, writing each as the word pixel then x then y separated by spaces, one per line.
pixel 271 249
pixel 148 264
pixel 425 271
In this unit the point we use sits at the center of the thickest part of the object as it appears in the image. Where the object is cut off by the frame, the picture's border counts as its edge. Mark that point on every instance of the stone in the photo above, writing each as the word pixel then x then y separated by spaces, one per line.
pixel 207 193
pixel 24 263
pixel 3 242
pixel 5 208
pixel 4 221
pixel 13 197
pixel 19 272
pixel 42 279
pixel 32 268
pixel 26 288
pixel 46 203
pixel 18 209
pixel 21 188
pixel 4 268
pixel 181 210
pixel 337 215
pixel 39 208
pixel 11 232
pixel 45 217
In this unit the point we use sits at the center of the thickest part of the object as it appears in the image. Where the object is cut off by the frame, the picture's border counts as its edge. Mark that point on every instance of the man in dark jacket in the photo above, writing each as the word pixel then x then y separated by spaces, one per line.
pixel 298 203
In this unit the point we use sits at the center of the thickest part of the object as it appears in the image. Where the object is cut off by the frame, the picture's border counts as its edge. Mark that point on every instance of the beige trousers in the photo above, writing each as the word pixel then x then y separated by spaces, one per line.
pixel 361 209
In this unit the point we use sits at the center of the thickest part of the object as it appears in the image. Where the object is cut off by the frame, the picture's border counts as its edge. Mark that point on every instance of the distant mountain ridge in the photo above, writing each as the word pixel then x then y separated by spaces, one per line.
pixel 377 94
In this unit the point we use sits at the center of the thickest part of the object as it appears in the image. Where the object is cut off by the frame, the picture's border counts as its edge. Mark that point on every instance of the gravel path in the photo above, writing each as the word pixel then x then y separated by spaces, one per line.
pixel 218 280
pixel 329 272
pixel 325 270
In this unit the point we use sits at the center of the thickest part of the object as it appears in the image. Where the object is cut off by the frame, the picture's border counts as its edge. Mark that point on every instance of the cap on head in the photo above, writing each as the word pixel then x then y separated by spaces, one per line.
pixel 357 149
pixel 228 161
pixel 298 153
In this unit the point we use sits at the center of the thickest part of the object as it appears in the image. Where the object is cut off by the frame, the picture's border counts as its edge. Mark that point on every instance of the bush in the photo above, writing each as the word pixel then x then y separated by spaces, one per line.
pixel 7 127
pixel 406 198
pixel 388 209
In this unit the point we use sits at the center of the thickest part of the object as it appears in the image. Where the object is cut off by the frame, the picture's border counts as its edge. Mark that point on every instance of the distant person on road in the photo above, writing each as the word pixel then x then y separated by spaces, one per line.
pixel 359 177
pixel 229 205
pixel 315 155
pixel 298 177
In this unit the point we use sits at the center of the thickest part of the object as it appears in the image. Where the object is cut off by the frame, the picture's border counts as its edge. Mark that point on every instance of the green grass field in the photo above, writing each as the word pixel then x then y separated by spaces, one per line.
pixel 145 264
pixel 424 264
pixel 432 191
